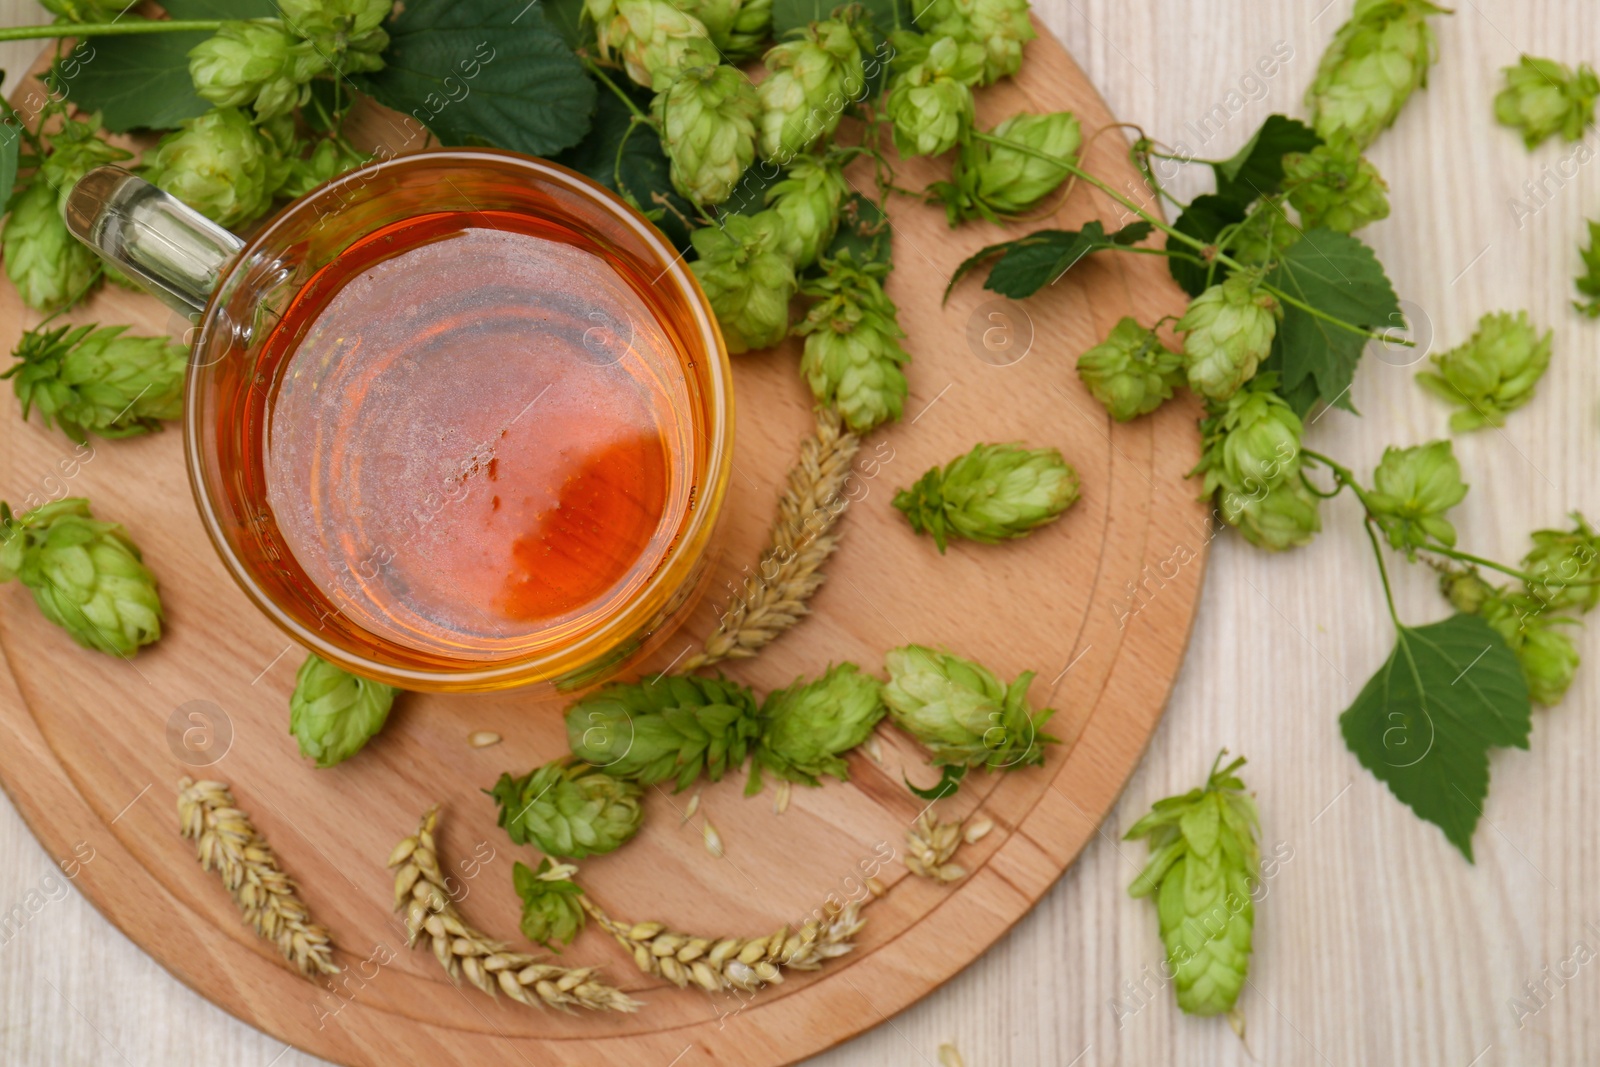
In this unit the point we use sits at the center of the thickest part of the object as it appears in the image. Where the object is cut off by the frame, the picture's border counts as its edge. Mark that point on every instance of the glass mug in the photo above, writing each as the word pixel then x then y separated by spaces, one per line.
pixel 458 420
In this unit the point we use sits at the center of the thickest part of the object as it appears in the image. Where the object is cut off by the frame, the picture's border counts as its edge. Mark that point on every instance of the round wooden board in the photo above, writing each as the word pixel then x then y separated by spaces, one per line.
pixel 93 745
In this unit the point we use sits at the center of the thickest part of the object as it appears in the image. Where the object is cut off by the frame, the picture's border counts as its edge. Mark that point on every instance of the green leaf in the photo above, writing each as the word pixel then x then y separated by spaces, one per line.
pixel 645 174
pixel 1205 218
pixel 1256 170
pixel 1339 276
pixel 789 15
pixel 481 72
pixel 136 83
pixel 1425 722
pixel 947 785
pixel 10 138
pixel 863 229
pixel 566 18
pixel 1030 263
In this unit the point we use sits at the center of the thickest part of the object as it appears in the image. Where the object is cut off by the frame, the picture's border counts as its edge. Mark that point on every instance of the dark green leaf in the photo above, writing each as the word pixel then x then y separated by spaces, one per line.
pixel 1338 275
pixel 645 173
pixel 1030 263
pixel 222 9
pixel 949 782
pixel 1256 170
pixel 481 72
pixel 1425 722
pixel 566 18
pixel 1205 218
pixel 136 83
pixel 864 230
pixel 886 15
pixel 10 139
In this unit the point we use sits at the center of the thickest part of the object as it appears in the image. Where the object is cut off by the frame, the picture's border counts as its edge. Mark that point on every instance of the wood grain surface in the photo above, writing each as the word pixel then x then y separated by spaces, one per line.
pixel 1376 943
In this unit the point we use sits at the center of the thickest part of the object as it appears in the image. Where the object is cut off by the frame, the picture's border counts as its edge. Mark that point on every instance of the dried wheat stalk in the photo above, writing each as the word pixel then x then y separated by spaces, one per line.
pixel 930 845
pixel 419 889
pixel 743 963
pixel 227 842
pixel 774 597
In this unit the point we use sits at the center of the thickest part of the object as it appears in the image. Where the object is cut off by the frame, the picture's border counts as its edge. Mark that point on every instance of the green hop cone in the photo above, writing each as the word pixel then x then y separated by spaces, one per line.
pixel 44 261
pixel 747 278
pixel 813 79
pixel 1548 658
pixel 1131 372
pixel 1251 442
pixel 1412 489
pixel 333 713
pixel 1336 188
pixel 708 130
pixel 1262 236
pixel 805 728
pixel 666 727
pixel 737 27
pixel 568 810
pixel 256 63
pixel 1001 27
pixel 1228 332
pixel 87 576
pixel 1373 65
pixel 1009 182
pixel 655 40
pixel 1588 282
pixel 1466 590
pixel 85 11
pixel 852 352
pixel 327 161
pixel 1276 519
pixel 807 204
pixel 991 494
pixel 76 149
pixel 1561 563
pixel 348 33
pixel 1202 872
pixel 218 164
pixel 1543 98
pixel 102 381
pixel 930 102
pixel 550 908
pixel 1493 373
pixel 961 712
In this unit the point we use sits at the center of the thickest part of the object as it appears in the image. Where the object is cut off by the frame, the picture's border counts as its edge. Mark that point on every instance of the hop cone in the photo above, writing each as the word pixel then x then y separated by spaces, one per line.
pixel 708 130
pixel 219 165
pixel 46 263
pixel 1131 372
pixel 568 811
pixel 1009 182
pixel 806 727
pixel 930 103
pixel 347 33
pixel 76 149
pixel 333 713
pixel 1588 282
pixel 814 78
pixel 86 576
pixel 1263 236
pixel 1543 98
pixel 1493 373
pixel 101 381
pixel 1251 442
pixel 961 712
pixel 1335 188
pixel 1274 519
pixel 1202 870
pixel 1466 590
pixel 1560 562
pixel 737 27
pixel 852 354
pixel 550 908
pixel 1412 489
pixel 747 278
pixel 1548 658
pixel 327 161
pixel 256 63
pixel 655 41
pixel 1001 27
pixel 991 494
pixel 667 727
pixel 807 205
pixel 1375 62
pixel 1228 331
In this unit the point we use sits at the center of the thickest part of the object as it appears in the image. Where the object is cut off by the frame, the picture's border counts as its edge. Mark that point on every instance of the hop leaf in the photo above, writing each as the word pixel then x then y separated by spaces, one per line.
pixel 87 576
pixel 708 130
pixel 806 727
pixel 1373 65
pixel 99 380
pixel 665 727
pixel 1202 870
pixel 961 712
pixel 737 27
pixel 1131 372
pixel 930 102
pixel 568 810
pixel 1001 27
pixel 1228 332
pixel 1336 188
pixel 333 713
pixel 1412 489
pixel 1493 373
pixel 991 494
pixel 852 353
pixel 1543 98
pixel 1561 562
pixel 814 78
pixel 550 908
pixel 258 64
pixel 220 165
pixel 747 278
pixel 807 203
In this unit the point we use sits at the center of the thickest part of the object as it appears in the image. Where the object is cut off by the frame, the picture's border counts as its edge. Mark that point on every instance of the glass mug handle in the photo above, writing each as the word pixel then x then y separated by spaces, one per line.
pixel 151 236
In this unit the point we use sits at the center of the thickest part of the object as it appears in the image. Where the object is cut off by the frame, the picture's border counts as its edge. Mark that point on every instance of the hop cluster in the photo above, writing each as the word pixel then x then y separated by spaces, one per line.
pixel 1493 373
pixel 737 27
pixel 570 810
pixel 1228 332
pixel 653 39
pixel 665 727
pixel 992 181
pixel 333 713
pixel 1131 372
pixel 220 164
pixel 807 727
pixel 993 493
pixel 930 98
pixel 1335 187
pixel 1374 64
pixel 962 713
pixel 550 908
pixel 1543 98
pixel 813 79
pixel 747 278
pixel 999 27
pixel 807 203
pixel 1251 460
pixel 708 130
pixel 258 64
pixel 1412 489
pixel 852 353
pixel 103 381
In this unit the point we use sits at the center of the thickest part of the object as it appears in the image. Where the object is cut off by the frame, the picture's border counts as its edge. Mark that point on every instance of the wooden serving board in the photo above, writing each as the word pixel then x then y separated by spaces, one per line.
pixel 93 745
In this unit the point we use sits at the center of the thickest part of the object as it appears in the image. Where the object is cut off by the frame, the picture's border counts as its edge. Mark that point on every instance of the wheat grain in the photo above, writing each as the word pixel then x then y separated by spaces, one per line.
pixel 774 597
pixel 930 845
pixel 419 890
pixel 227 842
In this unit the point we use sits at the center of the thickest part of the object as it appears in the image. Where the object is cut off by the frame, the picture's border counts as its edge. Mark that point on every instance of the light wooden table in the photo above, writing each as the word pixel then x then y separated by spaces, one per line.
pixel 1376 943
